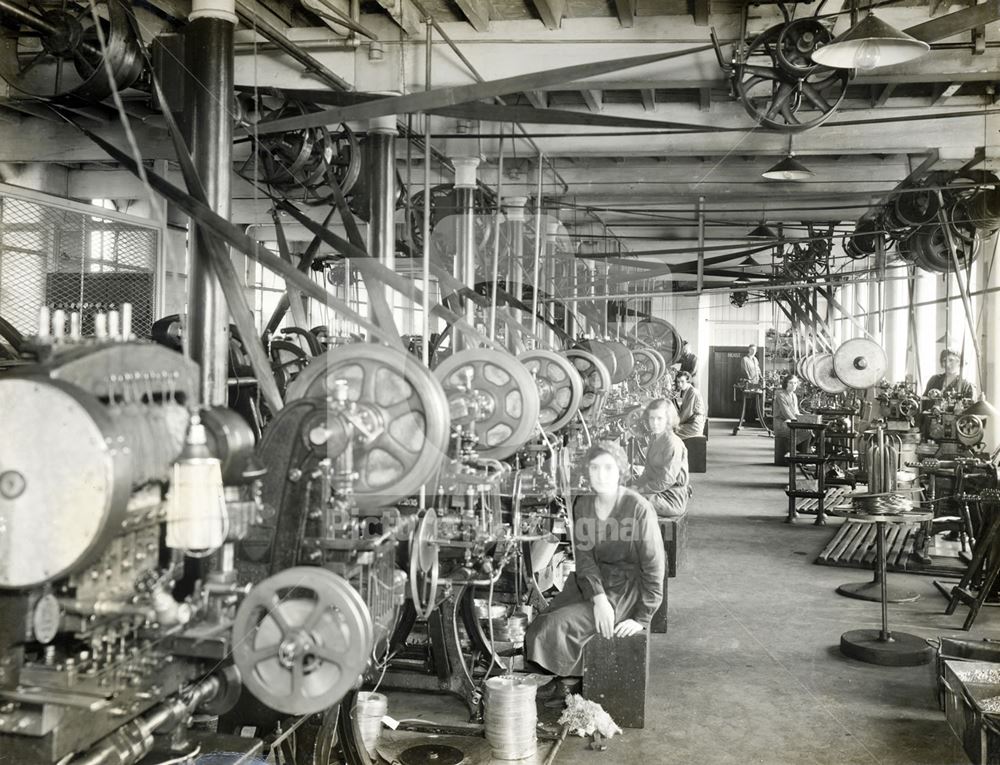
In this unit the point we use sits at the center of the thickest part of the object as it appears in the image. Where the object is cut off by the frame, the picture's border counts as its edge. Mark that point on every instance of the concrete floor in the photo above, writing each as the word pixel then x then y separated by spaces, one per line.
pixel 750 671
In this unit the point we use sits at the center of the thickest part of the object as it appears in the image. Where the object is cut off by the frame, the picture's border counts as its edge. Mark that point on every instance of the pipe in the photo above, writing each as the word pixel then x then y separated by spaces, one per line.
pixel 381 147
pixel 497 220
pixel 209 61
pixel 701 244
pixel 426 223
pixel 465 189
pixel 538 249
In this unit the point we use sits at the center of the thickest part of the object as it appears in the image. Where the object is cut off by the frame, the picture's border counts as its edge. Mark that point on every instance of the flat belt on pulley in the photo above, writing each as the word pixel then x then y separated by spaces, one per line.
pixel 410 404
pixel 604 353
pixel 596 378
pixel 504 391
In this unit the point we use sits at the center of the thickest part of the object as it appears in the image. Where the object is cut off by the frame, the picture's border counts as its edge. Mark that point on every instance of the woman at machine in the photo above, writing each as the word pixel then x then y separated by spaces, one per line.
pixel 950 382
pixel 690 407
pixel 618 583
pixel 785 408
pixel 664 481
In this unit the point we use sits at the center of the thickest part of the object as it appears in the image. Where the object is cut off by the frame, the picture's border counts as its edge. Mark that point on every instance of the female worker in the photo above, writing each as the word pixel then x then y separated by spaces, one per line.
pixel 664 481
pixel 618 583
pixel 690 408
pixel 950 382
pixel 785 408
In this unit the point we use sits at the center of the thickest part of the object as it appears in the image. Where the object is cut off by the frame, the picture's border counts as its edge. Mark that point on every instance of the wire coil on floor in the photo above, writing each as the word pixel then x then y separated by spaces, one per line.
pixel 511 717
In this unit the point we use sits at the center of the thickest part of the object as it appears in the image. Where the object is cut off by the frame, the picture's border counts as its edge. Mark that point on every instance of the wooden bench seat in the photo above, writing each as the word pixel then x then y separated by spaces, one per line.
pixel 616 674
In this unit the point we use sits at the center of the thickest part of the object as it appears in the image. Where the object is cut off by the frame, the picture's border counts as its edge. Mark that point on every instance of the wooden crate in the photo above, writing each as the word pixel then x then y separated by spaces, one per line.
pixel 978 731
pixel 616 674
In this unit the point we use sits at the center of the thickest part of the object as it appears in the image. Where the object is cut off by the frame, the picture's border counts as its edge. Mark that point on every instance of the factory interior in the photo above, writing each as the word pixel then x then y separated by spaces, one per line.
pixel 452 382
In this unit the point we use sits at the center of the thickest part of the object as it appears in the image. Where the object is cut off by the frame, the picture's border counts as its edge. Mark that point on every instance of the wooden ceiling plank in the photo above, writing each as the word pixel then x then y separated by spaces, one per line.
pixel 476 12
pixel 883 95
pixel 702 10
pixel 953 24
pixel 648 99
pixel 626 12
pixel 551 12
pixel 944 92
pixel 594 99
pixel 538 98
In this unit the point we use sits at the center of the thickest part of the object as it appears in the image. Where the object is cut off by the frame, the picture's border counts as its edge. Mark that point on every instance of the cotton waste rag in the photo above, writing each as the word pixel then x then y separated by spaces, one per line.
pixel 585 718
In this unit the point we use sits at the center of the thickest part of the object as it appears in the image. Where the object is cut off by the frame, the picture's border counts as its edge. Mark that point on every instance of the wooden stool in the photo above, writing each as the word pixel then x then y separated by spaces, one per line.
pixel 697 448
pixel 674 531
pixel 658 624
pixel 781 450
pixel 615 675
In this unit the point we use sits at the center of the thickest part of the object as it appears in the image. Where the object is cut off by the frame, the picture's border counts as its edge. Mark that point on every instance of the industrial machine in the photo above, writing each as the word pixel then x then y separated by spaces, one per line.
pixel 109 477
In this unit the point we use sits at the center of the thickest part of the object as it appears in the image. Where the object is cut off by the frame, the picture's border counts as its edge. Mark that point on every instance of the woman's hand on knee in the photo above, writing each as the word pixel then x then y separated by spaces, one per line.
pixel 627 628
pixel 604 616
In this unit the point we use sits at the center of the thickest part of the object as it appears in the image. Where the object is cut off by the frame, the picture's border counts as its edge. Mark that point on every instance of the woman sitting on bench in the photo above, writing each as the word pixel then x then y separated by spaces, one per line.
pixel 664 481
pixel 690 407
pixel 618 583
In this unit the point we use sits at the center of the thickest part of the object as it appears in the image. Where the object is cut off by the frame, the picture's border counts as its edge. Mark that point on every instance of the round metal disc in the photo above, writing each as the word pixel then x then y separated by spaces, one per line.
pixel 605 354
pixel 872 591
pixel 560 387
pixel 624 361
pixel 902 650
pixel 596 378
pixel 860 363
pixel 431 754
pixel 65 469
pixel 826 378
pixel 410 403
pixel 511 413
pixel 807 367
pixel 647 368
pixel 661 335
pixel 301 639
pixel 662 365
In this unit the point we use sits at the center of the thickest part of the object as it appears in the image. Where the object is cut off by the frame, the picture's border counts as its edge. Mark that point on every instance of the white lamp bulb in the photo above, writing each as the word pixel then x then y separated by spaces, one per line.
pixel 867 55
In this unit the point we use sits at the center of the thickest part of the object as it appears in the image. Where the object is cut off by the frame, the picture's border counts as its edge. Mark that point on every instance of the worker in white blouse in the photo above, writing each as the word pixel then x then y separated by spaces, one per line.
pixel 750 367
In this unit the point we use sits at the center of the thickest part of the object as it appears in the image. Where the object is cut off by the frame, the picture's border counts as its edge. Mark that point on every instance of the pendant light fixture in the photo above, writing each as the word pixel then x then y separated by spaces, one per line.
pixel 869 44
pixel 788 169
pixel 762 231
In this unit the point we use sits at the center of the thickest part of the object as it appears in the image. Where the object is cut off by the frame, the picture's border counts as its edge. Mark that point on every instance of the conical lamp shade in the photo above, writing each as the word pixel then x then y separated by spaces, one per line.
pixel 868 44
pixel 982 408
pixel 763 231
pixel 789 169
pixel 750 263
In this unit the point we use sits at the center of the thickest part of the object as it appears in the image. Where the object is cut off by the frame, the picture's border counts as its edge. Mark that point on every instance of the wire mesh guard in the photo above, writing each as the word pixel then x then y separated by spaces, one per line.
pixel 76 261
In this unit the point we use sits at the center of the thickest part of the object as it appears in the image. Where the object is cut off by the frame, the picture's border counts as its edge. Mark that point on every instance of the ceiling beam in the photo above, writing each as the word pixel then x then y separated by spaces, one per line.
pixel 705 99
pixel 476 12
pixel 537 98
pixel 648 99
pixel 626 12
pixel 944 92
pixel 594 99
pixel 880 94
pixel 702 9
pixel 551 12
pixel 405 15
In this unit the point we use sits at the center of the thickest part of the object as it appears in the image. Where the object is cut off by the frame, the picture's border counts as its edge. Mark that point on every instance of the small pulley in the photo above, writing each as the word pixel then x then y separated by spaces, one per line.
pixel 969 429
pixel 406 424
pixel 797 42
pixel 860 363
pixel 424 564
pixel 560 387
pixel 497 395
pixel 302 639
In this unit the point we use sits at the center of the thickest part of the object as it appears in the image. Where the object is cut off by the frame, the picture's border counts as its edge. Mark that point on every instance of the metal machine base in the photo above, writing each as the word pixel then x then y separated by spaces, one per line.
pixel 873 591
pixel 900 649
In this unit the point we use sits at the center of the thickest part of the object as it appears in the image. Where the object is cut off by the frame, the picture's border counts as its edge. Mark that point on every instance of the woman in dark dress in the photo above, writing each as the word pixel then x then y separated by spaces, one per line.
pixel 618 583
pixel 950 381
pixel 664 480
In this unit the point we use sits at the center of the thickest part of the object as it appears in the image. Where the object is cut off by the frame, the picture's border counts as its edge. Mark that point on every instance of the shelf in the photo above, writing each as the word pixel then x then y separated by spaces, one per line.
pixel 801 494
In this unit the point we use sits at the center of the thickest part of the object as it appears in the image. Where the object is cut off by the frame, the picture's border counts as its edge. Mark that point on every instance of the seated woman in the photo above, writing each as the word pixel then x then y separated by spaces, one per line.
pixel 618 583
pixel 785 408
pixel 664 482
pixel 690 407
pixel 950 381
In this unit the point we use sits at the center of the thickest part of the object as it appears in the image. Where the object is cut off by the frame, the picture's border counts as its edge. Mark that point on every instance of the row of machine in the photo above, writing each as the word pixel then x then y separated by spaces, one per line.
pixel 171 584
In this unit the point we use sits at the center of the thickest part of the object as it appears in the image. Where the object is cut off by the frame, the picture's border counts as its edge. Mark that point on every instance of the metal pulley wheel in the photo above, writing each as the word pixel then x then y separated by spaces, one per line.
pixel 931 251
pixel 407 402
pixel 663 368
pixel 624 362
pixel 50 49
pixel 864 242
pixel 860 363
pixel 660 335
pixel 596 378
pixel 797 42
pixel 808 366
pixel 301 639
pixel 648 369
pixel 780 97
pixel 915 207
pixel 424 564
pixel 503 391
pixel 969 429
pixel 299 162
pixel 560 387
pixel 604 353
pixel 825 376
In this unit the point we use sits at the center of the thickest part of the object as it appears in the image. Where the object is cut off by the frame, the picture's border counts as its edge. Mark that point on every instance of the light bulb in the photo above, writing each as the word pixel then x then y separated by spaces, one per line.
pixel 867 55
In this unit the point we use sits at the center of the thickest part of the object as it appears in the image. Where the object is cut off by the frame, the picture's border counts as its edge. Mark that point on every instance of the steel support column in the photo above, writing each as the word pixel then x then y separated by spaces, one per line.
pixel 381 168
pixel 208 46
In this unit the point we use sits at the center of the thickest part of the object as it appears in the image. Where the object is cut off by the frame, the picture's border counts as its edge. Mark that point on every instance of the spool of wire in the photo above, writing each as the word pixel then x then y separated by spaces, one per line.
pixel 510 629
pixel 369 709
pixel 511 717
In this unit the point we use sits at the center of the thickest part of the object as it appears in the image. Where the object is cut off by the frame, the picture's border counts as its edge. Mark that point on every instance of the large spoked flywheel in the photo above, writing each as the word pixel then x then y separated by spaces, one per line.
pixel 404 404
pixel 52 49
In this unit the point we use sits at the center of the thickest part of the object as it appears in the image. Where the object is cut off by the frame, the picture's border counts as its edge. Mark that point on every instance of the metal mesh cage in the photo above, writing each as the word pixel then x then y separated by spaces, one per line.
pixel 74 260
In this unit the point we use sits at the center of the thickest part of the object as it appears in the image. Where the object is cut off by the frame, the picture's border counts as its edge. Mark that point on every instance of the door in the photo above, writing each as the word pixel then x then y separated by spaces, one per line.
pixel 724 369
